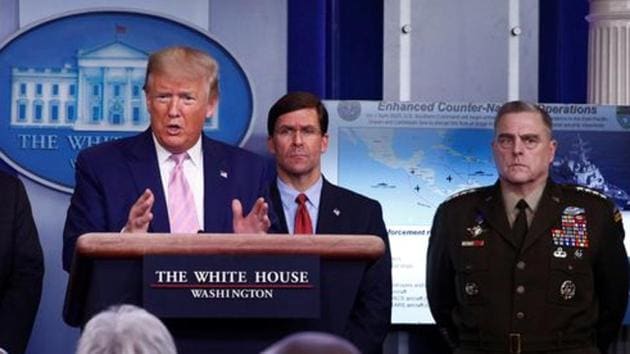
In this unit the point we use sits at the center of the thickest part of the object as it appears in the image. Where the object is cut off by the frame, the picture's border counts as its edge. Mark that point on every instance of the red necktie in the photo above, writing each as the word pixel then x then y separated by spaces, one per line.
pixel 303 223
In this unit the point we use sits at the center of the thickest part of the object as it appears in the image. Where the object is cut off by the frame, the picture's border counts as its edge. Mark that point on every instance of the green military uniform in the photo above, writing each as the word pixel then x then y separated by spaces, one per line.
pixel 566 288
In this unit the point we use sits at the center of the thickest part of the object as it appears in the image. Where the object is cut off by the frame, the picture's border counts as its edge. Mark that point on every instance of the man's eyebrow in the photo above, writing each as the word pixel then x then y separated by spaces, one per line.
pixel 297 125
pixel 529 135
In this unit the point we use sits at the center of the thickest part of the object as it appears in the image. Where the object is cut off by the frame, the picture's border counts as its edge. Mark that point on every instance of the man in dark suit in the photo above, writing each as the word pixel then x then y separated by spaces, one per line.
pixel 171 178
pixel 21 266
pixel 297 126
pixel 527 265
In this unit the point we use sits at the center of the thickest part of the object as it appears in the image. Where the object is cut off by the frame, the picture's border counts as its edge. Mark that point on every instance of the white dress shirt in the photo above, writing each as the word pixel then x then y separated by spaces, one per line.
pixel 193 170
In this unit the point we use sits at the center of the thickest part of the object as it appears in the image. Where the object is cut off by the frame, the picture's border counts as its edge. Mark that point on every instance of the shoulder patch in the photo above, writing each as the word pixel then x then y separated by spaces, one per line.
pixel 617 216
pixel 460 193
pixel 590 191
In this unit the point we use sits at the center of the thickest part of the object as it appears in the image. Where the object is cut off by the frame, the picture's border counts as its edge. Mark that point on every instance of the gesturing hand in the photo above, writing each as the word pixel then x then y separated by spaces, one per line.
pixel 140 214
pixel 256 222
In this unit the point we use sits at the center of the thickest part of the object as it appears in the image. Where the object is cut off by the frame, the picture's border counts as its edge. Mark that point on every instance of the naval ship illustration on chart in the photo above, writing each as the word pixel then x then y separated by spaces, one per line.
pixel 577 168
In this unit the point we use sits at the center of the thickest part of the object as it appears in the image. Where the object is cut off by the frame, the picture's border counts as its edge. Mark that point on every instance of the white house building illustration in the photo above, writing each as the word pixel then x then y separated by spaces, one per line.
pixel 102 91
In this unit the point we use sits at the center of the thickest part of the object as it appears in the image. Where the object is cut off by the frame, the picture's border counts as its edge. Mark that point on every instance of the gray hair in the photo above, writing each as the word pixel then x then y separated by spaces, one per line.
pixel 125 329
pixel 520 107
pixel 312 343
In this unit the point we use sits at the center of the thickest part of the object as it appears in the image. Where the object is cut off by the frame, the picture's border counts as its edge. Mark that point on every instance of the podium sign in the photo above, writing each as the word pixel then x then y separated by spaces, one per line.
pixel 232 286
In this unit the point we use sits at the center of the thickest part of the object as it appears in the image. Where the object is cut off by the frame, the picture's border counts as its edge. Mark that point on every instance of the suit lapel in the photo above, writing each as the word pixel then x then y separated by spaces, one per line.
pixel 547 214
pixel 142 161
pixel 329 210
pixel 216 175
pixel 276 205
pixel 493 211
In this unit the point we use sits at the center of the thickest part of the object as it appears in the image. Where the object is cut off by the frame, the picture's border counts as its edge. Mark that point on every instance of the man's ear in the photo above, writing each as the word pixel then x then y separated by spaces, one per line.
pixel 324 143
pixel 271 146
pixel 212 106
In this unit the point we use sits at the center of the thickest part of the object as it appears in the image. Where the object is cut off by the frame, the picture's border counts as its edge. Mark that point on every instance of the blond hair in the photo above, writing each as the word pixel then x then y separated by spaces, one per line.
pixel 186 62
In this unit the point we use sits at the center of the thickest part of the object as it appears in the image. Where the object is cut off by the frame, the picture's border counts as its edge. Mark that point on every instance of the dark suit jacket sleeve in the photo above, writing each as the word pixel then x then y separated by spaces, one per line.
pixel 22 267
pixel 371 315
pixel 86 212
pixel 611 280
pixel 440 277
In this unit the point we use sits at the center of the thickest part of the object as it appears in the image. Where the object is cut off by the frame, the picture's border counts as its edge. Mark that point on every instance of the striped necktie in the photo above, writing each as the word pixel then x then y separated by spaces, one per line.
pixel 182 213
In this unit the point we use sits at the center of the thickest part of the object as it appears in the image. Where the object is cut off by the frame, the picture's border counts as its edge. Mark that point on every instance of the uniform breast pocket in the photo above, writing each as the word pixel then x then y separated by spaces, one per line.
pixel 472 276
pixel 570 282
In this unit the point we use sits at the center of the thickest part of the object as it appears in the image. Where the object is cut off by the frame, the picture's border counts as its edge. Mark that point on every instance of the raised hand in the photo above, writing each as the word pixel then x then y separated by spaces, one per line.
pixel 256 222
pixel 140 214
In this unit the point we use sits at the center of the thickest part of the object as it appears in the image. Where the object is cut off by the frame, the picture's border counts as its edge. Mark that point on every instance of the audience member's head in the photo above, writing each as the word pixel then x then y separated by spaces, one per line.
pixel 312 343
pixel 125 329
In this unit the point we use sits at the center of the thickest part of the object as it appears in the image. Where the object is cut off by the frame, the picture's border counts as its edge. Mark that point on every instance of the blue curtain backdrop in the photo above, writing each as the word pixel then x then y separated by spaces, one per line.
pixel 563 51
pixel 336 48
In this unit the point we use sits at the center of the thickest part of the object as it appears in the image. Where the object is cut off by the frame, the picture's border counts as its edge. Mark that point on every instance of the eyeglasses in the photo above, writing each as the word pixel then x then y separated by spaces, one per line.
pixel 508 141
pixel 291 132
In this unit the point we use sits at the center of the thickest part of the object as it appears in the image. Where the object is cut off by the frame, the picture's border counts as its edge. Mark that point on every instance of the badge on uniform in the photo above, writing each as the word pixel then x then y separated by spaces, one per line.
pixel 559 253
pixel 574 232
pixel 473 243
pixel 474 232
pixel 567 290
pixel 471 289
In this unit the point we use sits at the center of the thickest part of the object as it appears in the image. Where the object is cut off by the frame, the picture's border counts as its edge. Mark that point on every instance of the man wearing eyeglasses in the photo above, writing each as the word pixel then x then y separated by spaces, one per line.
pixel 306 203
pixel 527 265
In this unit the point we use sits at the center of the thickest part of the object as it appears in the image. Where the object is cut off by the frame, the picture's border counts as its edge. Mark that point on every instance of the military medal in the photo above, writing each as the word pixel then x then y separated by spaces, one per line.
pixel 477 229
pixel 574 232
pixel 474 232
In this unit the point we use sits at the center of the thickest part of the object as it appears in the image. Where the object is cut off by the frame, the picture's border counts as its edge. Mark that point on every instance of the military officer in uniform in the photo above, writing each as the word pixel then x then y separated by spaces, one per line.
pixel 527 265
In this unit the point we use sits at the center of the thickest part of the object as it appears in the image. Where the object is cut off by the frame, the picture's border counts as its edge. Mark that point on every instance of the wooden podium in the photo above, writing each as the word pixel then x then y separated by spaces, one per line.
pixel 107 269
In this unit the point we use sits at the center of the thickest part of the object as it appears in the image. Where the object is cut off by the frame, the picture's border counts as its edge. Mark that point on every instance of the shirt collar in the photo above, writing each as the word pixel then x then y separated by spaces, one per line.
pixel 194 153
pixel 288 193
pixel 510 198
